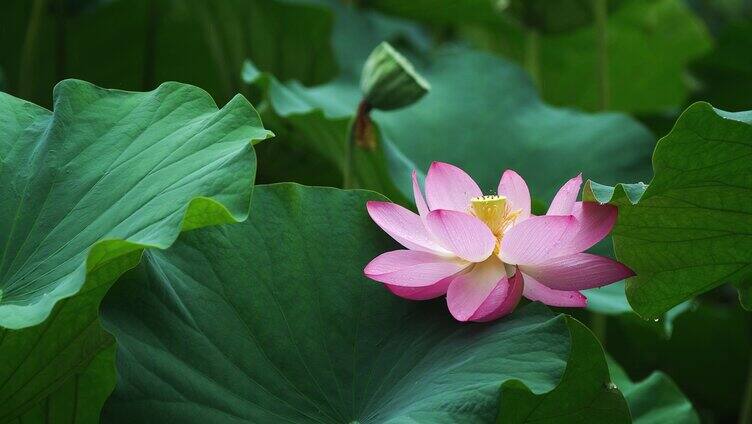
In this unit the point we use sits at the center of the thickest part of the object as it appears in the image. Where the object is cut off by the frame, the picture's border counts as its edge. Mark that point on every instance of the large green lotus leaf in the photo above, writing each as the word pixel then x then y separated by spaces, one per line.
pixel 709 348
pixel 504 125
pixel 64 369
pixel 272 321
pixel 688 233
pixel 109 172
pixel 660 35
pixel 655 400
pixel 89 185
pixel 79 399
pixel 585 388
pixel 159 40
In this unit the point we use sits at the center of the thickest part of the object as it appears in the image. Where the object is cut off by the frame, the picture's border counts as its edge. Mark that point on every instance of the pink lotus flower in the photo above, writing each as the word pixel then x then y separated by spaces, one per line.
pixel 485 252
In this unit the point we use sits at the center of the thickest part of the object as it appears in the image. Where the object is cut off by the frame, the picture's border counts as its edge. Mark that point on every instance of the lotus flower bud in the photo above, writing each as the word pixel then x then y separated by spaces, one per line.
pixel 389 80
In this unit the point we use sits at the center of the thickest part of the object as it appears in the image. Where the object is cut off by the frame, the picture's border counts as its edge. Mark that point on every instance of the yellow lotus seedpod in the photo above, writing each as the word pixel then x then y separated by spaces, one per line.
pixel 492 210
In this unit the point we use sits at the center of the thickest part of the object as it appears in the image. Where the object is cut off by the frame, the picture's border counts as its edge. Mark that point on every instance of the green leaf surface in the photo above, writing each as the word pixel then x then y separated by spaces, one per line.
pixel 707 355
pixel 585 389
pixel 689 232
pixel 650 44
pixel 620 194
pixel 79 400
pixel 272 320
pixel 107 173
pixel 611 299
pixel 64 369
pixel 655 400
pixel 90 185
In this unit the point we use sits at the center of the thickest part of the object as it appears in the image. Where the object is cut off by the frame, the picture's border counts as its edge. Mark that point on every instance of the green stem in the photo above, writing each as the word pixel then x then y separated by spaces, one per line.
pixel 532 54
pixel 745 413
pixel 26 71
pixel 348 172
pixel 600 10
pixel 356 136
pixel 599 321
